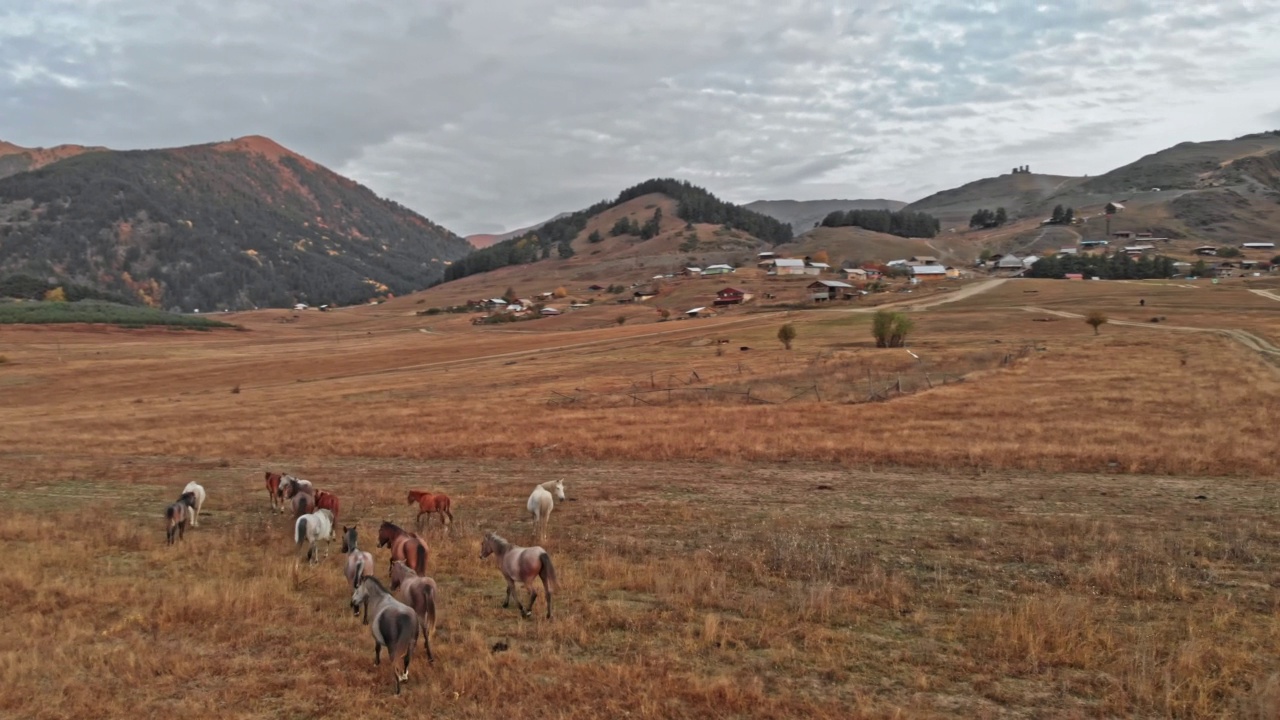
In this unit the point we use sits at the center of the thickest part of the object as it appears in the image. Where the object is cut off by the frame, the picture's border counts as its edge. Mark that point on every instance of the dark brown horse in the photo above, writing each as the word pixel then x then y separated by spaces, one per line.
pixel 328 501
pixel 273 490
pixel 176 515
pixel 406 546
pixel 302 504
pixel 431 503
pixel 419 593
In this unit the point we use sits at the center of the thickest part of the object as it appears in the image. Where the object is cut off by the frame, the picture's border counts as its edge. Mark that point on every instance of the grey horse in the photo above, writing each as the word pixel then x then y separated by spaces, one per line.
pixel 394 625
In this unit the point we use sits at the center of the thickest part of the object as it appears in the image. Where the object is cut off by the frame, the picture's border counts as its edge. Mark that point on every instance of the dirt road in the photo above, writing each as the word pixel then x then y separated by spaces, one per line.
pixel 1245 338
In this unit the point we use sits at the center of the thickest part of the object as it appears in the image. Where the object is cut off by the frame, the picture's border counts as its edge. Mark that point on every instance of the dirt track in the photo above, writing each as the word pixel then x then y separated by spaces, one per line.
pixel 1245 338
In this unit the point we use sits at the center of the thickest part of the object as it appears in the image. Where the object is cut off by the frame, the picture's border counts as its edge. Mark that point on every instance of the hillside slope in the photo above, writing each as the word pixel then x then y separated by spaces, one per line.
pixel 229 225
pixel 15 159
pixel 803 215
pixel 1020 194
pixel 481 241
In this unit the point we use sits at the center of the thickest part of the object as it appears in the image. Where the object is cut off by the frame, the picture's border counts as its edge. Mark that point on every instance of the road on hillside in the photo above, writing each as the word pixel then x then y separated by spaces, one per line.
pixel 1266 294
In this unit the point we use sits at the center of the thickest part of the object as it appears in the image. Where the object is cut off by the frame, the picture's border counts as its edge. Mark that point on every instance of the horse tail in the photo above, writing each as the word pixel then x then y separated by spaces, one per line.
pixel 547 572
pixel 299 530
pixel 422 557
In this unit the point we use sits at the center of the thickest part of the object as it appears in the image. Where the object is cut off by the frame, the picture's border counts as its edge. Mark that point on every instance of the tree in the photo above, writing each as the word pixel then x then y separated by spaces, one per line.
pixel 56 295
pixel 595 237
pixel 1229 252
pixel 1056 217
pixel 1068 215
pixel 1199 269
pixel 787 335
pixel 890 329
pixel 621 320
pixel 985 255
pixel 1002 216
pixel 665 313
pixel 559 292
pixel 1097 319
pixel 1275 260
pixel 622 227
pixel 510 295
pixel 822 257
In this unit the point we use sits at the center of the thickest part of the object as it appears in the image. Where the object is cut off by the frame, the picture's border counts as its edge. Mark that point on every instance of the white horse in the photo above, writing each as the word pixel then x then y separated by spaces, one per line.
pixel 193 511
pixel 314 527
pixel 540 502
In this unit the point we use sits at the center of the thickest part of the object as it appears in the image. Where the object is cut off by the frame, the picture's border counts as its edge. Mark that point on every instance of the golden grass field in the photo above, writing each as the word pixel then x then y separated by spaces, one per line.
pixel 1085 526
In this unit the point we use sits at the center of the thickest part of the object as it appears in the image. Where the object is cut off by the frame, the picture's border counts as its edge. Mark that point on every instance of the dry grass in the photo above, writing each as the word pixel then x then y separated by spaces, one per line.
pixel 727 560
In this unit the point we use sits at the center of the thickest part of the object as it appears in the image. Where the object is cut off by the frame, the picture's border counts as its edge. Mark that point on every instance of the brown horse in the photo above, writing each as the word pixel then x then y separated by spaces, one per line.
pixel 273 490
pixel 419 593
pixel 302 504
pixel 523 564
pixel 328 501
pixel 431 503
pixel 406 546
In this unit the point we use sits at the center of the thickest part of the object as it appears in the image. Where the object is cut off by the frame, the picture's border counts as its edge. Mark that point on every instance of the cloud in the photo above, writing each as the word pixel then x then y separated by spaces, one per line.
pixel 503 113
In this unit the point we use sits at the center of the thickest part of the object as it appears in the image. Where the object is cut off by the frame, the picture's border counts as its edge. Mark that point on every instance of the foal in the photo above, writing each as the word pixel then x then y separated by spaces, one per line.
pixel 419 593
pixel 394 625
pixel 523 564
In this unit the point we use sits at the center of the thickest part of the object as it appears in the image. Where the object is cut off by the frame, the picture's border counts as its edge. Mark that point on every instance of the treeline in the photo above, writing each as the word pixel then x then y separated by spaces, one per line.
pixel 25 287
pixel 903 223
pixel 985 218
pixel 693 205
pixel 200 228
pixel 1116 266
pixel 1062 215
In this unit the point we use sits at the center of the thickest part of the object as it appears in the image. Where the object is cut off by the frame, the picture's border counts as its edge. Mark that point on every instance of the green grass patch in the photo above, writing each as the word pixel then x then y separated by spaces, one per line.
pixel 100 312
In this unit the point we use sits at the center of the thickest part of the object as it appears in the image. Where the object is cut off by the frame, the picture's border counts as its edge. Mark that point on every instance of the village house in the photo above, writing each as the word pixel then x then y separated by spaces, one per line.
pixel 1094 243
pixel 822 290
pixel 1069 251
pixel 923 260
pixel 928 272
pixel 854 274
pixel 1008 262
pixel 816 268
pixel 1206 250
pixel 644 293
pixel 548 312
pixel 697 312
pixel 786 266
pixel 718 270
pixel 1258 246
pixel 730 296
pixel 592 288
pixel 692 271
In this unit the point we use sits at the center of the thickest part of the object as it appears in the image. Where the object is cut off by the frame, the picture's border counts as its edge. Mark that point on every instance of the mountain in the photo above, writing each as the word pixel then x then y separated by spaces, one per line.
pixel 1020 194
pixel 234 225
pixel 484 240
pixel 669 206
pixel 802 215
pixel 15 159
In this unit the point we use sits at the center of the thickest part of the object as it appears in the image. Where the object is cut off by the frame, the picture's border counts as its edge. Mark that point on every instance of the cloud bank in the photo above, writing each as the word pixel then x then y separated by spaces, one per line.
pixel 490 115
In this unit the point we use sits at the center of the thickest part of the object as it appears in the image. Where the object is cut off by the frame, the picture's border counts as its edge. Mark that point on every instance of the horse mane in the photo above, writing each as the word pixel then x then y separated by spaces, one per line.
pixel 549 484
pixel 188 498
pixel 376 582
pixel 499 541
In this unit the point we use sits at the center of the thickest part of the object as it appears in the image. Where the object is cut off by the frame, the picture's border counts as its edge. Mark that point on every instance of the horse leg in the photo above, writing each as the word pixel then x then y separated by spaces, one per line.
pixel 533 598
pixel 511 590
pixel 547 591
pixel 377 653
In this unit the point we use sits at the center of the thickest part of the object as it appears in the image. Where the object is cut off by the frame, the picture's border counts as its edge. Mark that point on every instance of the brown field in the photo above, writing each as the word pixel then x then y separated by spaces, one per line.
pixel 1066 526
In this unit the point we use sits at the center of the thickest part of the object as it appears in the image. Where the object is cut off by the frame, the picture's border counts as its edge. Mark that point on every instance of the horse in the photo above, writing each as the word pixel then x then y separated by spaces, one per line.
pixel 523 564
pixel 394 625
pixel 196 490
pixel 328 501
pixel 431 503
pixel 314 527
pixel 176 516
pixel 406 546
pixel 540 503
pixel 419 593
pixel 358 561
pixel 303 503
pixel 274 491
pixel 290 486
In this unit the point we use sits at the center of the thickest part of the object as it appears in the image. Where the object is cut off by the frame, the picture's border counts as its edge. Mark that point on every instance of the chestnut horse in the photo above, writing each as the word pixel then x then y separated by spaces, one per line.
pixel 328 501
pixel 406 546
pixel 431 503
pixel 524 564
pixel 419 593
pixel 274 492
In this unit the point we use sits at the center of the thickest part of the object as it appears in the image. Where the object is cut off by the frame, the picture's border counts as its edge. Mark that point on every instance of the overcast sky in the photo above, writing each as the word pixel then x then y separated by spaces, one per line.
pixel 493 114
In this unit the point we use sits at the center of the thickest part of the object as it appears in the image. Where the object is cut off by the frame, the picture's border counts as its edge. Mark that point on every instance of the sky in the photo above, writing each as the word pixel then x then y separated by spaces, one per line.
pixel 491 115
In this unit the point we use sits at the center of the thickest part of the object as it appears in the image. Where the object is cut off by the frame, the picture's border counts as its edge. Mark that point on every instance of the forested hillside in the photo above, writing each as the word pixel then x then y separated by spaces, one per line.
pixel 695 205
pixel 231 225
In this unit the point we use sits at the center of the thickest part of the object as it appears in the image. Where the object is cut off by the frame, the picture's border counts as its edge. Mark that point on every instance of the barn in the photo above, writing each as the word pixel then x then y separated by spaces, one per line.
pixel 822 290
pixel 730 296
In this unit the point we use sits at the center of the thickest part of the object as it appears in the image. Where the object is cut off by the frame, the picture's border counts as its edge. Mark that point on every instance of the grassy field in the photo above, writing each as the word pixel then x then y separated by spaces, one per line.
pixel 1073 526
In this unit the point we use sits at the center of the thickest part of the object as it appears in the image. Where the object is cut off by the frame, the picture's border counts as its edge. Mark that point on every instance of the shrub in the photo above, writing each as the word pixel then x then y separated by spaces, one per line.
pixel 621 319
pixel 787 335
pixel 1097 319
pixel 891 328
pixel 559 292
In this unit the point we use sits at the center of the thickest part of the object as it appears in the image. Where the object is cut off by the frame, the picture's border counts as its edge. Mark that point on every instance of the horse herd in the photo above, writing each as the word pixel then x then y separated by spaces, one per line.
pixel 398 612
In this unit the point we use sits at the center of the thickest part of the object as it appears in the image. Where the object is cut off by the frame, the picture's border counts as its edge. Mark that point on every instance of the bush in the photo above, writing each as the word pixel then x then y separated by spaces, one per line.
pixel 891 328
pixel 97 311
pixel 787 335
pixel 1097 319
pixel 621 319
